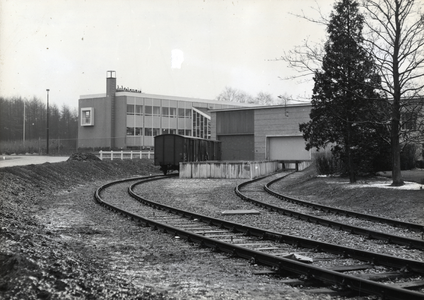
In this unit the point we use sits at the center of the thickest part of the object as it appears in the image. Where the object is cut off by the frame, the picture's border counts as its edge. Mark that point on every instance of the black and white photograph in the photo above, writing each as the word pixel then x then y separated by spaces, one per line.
pixel 212 149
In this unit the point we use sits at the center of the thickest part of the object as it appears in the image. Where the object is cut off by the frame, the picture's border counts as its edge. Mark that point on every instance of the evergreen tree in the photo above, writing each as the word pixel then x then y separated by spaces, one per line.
pixel 343 94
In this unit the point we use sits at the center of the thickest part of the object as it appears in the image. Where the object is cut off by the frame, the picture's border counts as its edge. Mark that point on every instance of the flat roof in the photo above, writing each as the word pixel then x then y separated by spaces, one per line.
pixel 167 97
pixel 92 96
pixel 262 107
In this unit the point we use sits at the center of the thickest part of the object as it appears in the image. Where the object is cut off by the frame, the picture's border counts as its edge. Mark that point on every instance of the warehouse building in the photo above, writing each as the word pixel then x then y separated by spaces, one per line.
pixel 272 132
pixel 126 118
pixel 262 133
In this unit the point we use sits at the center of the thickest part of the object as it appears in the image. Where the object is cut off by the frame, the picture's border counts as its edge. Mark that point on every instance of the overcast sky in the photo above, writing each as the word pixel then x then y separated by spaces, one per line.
pixel 188 48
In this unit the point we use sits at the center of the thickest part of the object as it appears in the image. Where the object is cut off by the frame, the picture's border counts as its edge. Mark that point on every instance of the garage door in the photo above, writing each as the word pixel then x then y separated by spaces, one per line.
pixel 287 148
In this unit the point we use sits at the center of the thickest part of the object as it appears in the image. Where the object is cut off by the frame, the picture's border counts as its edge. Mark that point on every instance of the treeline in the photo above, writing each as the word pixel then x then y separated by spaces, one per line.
pixel 24 121
pixel 230 94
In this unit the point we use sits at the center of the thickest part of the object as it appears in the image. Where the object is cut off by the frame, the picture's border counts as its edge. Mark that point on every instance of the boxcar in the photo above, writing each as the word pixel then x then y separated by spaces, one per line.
pixel 171 149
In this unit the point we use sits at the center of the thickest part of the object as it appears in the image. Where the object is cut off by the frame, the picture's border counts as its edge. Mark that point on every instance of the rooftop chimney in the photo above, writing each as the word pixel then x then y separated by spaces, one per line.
pixel 111 83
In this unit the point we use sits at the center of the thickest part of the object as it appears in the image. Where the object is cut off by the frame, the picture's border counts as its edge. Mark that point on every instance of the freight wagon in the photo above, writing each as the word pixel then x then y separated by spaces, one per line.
pixel 171 149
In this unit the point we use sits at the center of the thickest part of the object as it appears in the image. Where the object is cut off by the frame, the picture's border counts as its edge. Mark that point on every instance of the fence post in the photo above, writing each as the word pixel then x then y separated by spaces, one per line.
pixel 122 155
pixel 111 154
pixel 131 154
pixel 141 154
pixel 148 154
pixel 101 154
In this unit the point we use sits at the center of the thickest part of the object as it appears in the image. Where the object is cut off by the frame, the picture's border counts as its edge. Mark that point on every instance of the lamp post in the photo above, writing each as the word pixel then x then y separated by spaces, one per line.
pixel 23 127
pixel 285 104
pixel 48 114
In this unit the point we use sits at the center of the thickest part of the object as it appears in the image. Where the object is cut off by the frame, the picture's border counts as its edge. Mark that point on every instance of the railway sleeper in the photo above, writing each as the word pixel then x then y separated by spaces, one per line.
pixel 351 268
pixel 222 237
pixel 411 285
pixel 384 276
pixel 202 231
pixel 300 282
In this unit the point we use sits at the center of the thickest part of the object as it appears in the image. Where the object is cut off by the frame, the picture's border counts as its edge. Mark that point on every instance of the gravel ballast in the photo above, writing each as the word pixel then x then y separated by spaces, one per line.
pixel 212 197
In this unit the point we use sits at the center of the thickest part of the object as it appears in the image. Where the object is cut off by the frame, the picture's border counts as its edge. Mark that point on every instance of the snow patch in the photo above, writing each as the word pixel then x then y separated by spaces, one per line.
pixel 387 185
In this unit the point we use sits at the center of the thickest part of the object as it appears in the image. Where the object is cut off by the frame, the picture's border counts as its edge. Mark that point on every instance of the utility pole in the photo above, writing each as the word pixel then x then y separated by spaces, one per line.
pixel 23 127
pixel 48 114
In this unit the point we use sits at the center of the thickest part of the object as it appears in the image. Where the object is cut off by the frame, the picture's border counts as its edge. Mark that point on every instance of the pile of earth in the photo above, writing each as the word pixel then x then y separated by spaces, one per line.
pixel 83 156
pixel 34 263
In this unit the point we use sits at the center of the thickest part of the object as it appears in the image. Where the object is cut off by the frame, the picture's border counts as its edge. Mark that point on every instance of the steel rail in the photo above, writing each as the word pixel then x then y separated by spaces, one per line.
pixel 395 223
pixel 368 256
pixel 371 234
pixel 281 264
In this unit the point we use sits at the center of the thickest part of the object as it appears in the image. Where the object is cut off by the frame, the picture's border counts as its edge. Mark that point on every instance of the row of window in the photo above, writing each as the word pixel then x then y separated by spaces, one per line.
pixel 138 131
pixel 157 111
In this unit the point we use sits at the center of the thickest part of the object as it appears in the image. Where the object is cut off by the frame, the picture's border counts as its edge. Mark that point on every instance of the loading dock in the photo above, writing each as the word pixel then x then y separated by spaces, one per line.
pixel 289 149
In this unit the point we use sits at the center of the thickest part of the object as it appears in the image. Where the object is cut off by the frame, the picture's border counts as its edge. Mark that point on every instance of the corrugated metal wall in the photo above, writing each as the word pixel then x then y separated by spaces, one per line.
pixel 235 129
pixel 237 147
pixel 235 122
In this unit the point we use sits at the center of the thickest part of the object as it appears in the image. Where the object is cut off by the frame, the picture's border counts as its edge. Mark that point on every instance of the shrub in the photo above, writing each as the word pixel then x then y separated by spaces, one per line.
pixel 327 164
pixel 408 157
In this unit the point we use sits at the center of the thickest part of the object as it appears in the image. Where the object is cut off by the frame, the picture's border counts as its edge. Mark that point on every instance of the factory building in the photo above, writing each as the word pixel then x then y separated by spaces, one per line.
pixel 125 118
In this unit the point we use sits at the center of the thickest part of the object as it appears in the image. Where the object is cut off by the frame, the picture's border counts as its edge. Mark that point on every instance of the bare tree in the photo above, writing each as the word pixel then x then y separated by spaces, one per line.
pixel 264 99
pixel 307 58
pixel 396 41
pixel 233 95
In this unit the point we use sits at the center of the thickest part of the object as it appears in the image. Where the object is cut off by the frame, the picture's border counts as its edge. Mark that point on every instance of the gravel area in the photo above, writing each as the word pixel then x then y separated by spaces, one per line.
pixel 212 197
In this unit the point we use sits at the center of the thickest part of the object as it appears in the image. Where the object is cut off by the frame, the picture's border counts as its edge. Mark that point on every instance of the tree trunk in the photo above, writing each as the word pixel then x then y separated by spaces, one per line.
pixel 351 166
pixel 396 171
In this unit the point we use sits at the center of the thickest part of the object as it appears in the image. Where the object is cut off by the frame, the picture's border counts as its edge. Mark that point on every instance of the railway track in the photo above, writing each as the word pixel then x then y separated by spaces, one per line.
pixel 313 262
pixel 395 232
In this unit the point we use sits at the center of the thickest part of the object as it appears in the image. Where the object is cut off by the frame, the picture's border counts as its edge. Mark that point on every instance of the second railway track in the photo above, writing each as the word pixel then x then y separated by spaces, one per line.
pixel 283 253
pixel 370 226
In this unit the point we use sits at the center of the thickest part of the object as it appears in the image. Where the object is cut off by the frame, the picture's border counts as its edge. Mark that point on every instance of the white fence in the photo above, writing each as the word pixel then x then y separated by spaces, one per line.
pixel 125 154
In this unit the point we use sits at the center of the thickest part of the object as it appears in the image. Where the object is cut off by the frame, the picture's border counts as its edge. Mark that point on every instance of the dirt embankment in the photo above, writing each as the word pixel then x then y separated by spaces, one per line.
pixel 370 195
pixel 35 261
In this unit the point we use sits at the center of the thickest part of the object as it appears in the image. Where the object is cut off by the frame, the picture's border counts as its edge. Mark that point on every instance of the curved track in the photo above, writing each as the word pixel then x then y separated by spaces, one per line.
pixel 279 251
pixel 352 222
